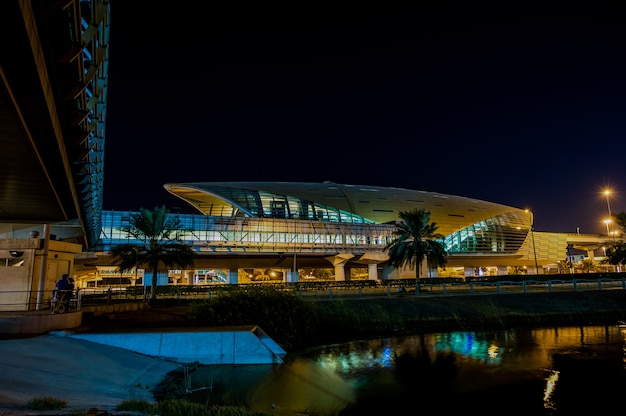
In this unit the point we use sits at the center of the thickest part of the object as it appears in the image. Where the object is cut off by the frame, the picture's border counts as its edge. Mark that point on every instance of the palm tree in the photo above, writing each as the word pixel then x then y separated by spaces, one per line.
pixel 161 244
pixel 566 265
pixel 587 266
pixel 616 252
pixel 416 239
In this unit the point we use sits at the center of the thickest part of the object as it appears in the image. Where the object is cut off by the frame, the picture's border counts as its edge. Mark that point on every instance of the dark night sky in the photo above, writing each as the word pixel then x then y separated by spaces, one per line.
pixel 516 104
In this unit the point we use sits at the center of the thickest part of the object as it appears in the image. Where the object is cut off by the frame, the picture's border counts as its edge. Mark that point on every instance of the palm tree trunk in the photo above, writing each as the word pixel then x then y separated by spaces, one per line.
pixel 417 278
pixel 155 270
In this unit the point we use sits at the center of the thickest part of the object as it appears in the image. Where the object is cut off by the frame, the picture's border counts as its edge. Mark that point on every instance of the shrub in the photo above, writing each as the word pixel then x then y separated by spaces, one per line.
pixel 281 314
pixel 134 405
pixel 45 403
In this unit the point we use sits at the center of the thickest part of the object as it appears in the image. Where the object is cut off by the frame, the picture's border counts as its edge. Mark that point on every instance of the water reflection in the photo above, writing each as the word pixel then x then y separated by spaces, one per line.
pixel 302 387
pixel 299 386
pixel 549 371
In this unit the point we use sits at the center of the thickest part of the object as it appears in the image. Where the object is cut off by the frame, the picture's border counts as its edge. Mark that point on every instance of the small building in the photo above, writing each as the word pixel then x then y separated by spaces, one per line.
pixel 29 269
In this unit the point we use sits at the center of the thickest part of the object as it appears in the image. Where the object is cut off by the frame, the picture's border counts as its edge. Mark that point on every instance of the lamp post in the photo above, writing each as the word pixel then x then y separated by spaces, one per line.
pixel 136 265
pixel 607 193
pixel 294 275
pixel 532 236
pixel 608 232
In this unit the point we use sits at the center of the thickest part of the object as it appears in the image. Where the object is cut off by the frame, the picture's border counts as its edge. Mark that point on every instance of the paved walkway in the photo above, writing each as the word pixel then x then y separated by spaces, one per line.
pixel 83 373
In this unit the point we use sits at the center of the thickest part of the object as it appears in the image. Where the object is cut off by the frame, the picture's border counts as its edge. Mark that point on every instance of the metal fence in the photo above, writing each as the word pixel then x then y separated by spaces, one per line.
pixel 29 301
pixel 457 288
pixel 46 301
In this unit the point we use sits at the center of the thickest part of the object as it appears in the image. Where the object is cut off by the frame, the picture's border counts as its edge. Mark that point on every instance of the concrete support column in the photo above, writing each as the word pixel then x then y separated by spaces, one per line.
pixel 188 277
pixel 390 272
pixel 339 262
pixel 233 276
pixel 340 273
pixel 502 270
pixel 43 267
pixel 468 271
pixel 433 272
pixel 372 271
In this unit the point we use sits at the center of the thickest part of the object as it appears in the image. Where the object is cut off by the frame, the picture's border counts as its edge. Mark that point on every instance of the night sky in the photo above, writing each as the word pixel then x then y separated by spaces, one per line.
pixel 515 104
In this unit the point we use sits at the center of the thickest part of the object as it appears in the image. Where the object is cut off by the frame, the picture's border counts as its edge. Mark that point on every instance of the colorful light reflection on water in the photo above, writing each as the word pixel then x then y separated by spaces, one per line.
pixel 546 367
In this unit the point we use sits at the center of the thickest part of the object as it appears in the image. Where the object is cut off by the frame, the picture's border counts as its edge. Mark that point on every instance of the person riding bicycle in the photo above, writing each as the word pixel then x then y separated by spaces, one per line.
pixel 64 291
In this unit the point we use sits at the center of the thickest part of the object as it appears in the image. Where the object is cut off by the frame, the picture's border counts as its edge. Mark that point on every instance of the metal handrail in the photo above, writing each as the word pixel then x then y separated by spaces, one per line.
pixel 26 301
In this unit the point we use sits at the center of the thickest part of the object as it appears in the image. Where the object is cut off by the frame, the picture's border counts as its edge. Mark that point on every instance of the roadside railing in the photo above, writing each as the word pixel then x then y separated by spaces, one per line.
pixel 30 301
pixel 46 301
pixel 331 290
pixel 441 287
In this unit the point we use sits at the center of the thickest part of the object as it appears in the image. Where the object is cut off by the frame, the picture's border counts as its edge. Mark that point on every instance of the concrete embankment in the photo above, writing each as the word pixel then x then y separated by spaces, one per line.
pixel 83 373
pixel 204 345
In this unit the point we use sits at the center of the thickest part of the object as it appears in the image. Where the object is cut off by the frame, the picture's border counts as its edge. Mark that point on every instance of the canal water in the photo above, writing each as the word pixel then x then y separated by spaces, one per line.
pixel 547 371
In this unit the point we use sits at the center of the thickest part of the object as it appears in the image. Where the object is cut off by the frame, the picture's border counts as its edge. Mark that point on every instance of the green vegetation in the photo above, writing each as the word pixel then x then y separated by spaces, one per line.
pixel 141 406
pixel 296 323
pixel 416 239
pixel 616 252
pixel 45 403
pixel 171 407
pixel 282 314
pixel 162 245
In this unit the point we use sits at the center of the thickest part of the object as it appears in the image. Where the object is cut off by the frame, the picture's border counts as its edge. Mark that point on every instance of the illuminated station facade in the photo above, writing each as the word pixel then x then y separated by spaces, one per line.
pixel 252 232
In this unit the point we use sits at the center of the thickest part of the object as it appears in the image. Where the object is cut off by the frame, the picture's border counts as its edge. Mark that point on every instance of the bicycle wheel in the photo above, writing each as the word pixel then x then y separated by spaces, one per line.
pixel 58 307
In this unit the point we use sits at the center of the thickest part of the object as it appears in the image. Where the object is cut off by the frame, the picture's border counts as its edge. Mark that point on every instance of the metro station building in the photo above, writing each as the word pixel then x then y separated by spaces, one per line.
pixel 250 232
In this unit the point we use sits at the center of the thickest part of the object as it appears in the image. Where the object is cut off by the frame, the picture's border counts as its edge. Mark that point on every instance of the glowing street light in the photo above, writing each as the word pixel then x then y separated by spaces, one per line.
pixel 607 222
pixel 607 193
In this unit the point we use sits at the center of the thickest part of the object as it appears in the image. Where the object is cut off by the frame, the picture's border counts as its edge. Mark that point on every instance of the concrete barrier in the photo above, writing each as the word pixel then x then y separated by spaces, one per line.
pixel 204 345
pixel 39 323
pixel 30 323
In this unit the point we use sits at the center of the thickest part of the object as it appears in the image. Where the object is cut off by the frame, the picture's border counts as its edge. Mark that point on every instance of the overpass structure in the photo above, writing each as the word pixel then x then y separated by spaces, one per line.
pixel 53 85
pixel 589 243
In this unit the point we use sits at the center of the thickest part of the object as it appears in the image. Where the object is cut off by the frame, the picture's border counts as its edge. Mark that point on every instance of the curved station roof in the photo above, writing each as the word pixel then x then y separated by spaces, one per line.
pixel 490 227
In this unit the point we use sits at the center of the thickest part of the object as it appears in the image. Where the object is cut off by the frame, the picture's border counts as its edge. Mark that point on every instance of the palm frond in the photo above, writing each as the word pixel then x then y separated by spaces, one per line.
pixel 416 239
pixel 162 246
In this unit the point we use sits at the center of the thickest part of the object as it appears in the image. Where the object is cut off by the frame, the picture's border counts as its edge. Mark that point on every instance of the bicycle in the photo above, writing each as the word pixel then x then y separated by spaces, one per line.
pixel 61 301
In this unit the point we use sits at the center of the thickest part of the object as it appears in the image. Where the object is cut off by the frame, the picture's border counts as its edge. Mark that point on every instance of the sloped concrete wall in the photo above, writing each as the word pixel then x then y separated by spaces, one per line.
pixel 232 345
pixel 39 323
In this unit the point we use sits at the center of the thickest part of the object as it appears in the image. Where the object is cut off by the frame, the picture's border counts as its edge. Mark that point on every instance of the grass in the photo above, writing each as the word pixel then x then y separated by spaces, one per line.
pixel 170 407
pixel 295 323
pixel 45 403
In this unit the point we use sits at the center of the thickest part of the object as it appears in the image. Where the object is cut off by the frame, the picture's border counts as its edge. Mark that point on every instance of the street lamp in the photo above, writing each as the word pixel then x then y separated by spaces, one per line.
pixel 607 192
pixel 607 222
pixel 136 266
pixel 532 236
